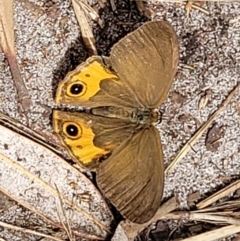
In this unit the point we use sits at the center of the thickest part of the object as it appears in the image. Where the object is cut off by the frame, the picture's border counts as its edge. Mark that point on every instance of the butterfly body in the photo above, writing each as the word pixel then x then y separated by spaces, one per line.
pixel 142 117
pixel 122 92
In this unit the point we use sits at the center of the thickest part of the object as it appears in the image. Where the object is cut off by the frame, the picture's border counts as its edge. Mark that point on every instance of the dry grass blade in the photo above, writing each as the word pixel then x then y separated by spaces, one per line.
pixel 187 147
pixel 26 131
pixel 187 66
pixel 215 234
pixel 85 28
pixel 67 226
pixel 200 9
pixel 132 229
pixel 222 217
pixel 93 14
pixel 7 26
pixel 223 213
pixel 220 194
pixel 181 1
pixel 167 207
pixel 143 8
pixel 213 218
pixel 234 20
pixel 113 5
pixel 190 5
pixel 216 218
pixel 24 230
pixel 7 41
pixel 229 206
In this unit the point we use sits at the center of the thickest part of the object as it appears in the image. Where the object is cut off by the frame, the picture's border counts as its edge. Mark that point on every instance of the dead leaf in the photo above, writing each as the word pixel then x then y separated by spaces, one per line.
pixel 193 198
pixel 42 182
pixel 204 99
pixel 119 234
pixel 184 117
pixel 177 100
pixel 86 30
pixel 213 139
pixel 143 8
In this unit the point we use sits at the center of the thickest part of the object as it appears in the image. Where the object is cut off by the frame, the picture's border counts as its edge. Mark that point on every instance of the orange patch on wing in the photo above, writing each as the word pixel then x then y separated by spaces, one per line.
pixel 90 74
pixel 81 148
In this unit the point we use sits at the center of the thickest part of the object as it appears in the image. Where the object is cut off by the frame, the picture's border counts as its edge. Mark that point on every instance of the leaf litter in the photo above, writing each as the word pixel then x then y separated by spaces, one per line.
pixel 168 14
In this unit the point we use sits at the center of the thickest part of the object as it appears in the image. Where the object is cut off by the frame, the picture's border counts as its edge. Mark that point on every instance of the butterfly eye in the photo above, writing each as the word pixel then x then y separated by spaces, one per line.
pixel 76 89
pixel 72 130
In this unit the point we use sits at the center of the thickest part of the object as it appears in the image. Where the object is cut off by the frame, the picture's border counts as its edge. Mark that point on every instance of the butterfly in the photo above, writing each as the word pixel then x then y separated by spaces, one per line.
pixel 116 135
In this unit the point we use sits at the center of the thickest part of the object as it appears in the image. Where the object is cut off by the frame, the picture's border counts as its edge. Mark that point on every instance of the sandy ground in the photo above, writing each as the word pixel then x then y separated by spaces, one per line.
pixel 48 45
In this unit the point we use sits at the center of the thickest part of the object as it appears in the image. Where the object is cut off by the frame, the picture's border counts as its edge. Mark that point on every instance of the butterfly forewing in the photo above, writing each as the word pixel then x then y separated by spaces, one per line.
pixel 146 60
pixel 93 84
pixel 132 177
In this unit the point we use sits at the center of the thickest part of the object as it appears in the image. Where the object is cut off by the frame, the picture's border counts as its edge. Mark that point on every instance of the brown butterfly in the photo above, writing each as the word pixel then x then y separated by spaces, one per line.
pixel 123 92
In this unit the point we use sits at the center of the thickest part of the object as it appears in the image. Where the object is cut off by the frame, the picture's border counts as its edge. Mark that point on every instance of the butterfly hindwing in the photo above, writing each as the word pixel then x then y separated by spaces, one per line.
pixel 92 138
pixel 132 177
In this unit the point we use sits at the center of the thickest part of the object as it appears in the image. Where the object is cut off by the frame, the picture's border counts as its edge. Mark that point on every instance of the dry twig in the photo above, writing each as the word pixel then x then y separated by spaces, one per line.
pixel 187 147
pixel 7 41
pixel 25 230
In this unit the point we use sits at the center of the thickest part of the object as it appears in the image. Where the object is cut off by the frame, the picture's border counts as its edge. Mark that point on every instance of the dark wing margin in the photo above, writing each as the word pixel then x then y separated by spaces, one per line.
pixel 132 178
pixel 146 61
